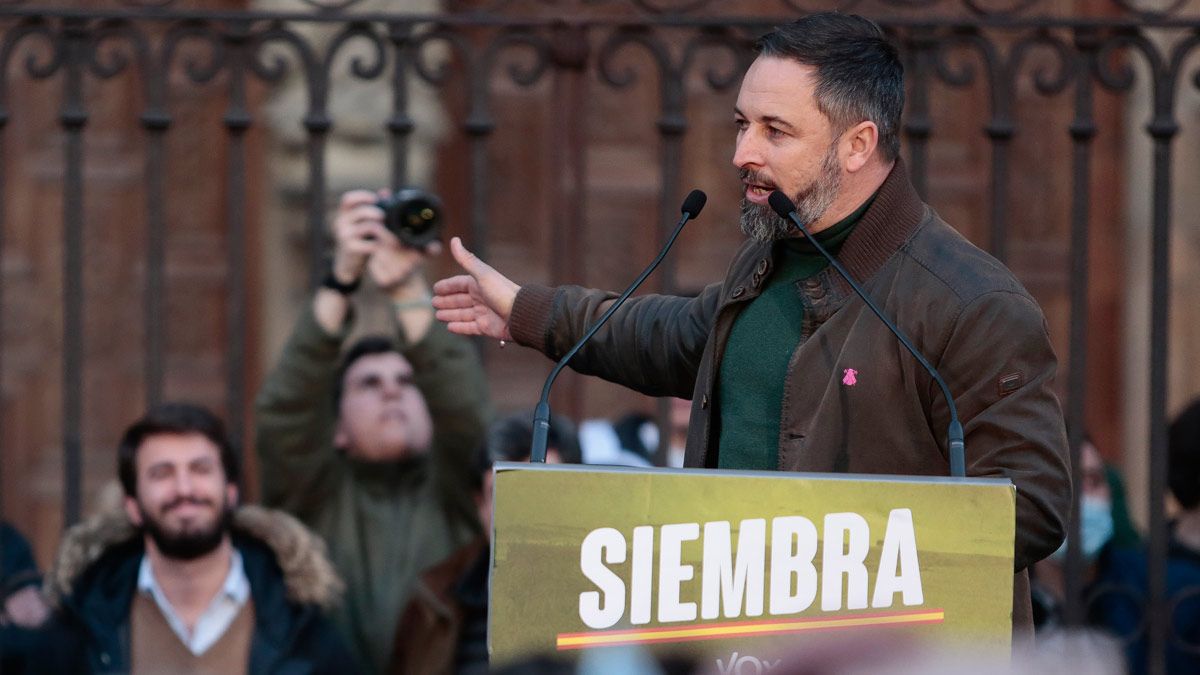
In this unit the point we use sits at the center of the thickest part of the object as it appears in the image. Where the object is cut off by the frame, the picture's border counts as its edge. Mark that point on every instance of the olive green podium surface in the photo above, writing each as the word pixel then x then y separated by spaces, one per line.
pixel 725 562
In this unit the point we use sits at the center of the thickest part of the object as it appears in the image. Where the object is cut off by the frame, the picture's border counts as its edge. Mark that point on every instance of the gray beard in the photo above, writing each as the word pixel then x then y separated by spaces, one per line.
pixel 761 223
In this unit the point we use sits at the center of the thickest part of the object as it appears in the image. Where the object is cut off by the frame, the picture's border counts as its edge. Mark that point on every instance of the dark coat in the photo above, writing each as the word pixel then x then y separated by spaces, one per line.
pixel 96 578
pixel 17 566
pixel 963 309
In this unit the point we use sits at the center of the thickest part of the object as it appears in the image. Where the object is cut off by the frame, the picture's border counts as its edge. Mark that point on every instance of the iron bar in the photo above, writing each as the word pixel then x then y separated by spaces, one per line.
pixel 1000 131
pixel 677 8
pixel 671 128
pixel 318 237
pixel 4 445
pixel 1082 132
pixel 155 122
pixel 478 127
pixel 73 118
pixel 570 53
pixel 999 194
pixel 1159 298
pixel 400 125
pixel 237 121
pixel 479 20
pixel 918 126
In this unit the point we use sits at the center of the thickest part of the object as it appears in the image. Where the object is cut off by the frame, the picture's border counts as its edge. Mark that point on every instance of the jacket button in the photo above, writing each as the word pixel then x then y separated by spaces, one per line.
pixel 704 402
pixel 762 266
pixel 104 658
pixel 738 292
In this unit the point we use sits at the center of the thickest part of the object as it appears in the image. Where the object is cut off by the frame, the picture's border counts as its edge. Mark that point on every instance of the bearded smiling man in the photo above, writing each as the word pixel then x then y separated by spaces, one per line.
pixel 786 367
pixel 185 502
pixel 185 580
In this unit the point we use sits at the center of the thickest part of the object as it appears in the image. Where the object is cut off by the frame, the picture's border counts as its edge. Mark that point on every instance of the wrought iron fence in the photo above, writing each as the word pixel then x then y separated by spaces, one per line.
pixel 1006 51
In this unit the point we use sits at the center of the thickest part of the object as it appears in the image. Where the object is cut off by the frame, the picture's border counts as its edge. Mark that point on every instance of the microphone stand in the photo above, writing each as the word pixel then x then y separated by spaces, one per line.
pixel 541 414
pixel 956 447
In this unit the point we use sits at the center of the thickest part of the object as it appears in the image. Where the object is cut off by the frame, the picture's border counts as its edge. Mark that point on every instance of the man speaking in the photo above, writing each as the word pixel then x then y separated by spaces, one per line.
pixel 786 367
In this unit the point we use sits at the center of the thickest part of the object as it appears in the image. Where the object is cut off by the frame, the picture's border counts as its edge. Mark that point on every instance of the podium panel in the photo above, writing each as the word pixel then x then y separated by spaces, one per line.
pixel 717 562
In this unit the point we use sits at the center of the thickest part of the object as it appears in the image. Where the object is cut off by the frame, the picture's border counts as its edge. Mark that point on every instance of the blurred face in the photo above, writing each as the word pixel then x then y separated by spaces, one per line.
pixel 785 143
pixel 483 501
pixel 183 502
pixel 1095 507
pixel 1095 485
pixel 681 415
pixel 382 415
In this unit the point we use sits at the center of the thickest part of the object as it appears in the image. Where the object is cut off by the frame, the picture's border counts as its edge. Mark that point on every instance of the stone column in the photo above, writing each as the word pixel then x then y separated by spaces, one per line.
pixel 357 156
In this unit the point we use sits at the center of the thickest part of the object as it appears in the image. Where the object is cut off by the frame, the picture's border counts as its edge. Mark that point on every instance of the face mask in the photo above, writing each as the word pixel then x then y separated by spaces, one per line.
pixel 1095 528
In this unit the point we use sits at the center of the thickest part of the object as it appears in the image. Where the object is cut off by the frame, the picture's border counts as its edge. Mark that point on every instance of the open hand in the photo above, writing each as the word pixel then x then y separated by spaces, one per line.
pixel 479 302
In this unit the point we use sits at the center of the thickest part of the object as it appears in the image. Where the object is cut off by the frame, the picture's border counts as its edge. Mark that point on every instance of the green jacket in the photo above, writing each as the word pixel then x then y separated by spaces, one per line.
pixel 384 523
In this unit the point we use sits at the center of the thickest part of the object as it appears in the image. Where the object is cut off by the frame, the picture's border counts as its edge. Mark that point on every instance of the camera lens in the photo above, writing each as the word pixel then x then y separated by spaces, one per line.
pixel 413 215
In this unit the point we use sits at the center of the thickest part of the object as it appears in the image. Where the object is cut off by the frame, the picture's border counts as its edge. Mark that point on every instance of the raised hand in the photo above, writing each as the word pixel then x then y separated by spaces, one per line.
pixel 478 302
pixel 357 232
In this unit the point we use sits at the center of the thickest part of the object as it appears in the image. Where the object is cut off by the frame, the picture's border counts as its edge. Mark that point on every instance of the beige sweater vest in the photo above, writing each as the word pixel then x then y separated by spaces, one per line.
pixel 157 650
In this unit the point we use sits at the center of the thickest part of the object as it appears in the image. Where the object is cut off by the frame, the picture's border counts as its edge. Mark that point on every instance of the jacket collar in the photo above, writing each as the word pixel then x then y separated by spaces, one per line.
pixel 889 222
pixel 95 576
pixel 95 553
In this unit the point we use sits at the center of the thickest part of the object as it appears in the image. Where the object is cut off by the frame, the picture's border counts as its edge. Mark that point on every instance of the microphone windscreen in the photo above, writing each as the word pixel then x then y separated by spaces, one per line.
pixel 693 203
pixel 781 204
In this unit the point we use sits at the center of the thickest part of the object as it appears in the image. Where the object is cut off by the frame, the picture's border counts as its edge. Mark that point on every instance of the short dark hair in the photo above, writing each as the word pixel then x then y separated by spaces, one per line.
pixel 173 418
pixel 1183 456
pixel 366 346
pixel 510 438
pixel 859 73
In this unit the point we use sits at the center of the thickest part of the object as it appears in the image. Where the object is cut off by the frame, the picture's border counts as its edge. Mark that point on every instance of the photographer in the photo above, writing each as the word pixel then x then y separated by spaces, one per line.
pixel 373 450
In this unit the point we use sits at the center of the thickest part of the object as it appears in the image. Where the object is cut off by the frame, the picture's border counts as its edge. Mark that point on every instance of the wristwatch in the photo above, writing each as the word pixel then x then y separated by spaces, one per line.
pixel 331 282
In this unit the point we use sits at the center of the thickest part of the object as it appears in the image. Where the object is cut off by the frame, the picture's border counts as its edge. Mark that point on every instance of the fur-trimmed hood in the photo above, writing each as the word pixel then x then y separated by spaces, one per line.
pixel 308 575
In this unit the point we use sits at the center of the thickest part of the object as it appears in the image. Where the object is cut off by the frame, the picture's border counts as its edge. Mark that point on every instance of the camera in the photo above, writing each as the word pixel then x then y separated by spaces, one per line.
pixel 413 215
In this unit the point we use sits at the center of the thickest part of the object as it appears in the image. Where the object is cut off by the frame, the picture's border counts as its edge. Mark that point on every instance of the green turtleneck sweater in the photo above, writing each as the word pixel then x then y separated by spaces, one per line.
pixel 765 335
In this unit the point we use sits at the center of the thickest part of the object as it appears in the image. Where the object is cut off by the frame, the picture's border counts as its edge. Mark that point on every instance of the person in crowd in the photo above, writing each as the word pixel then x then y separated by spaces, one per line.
pixel 443 630
pixel 1108 543
pixel 372 449
pixel 1183 562
pixel 183 579
pixel 22 607
pixel 632 439
pixel 1122 599
pixel 21 601
pixel 786 367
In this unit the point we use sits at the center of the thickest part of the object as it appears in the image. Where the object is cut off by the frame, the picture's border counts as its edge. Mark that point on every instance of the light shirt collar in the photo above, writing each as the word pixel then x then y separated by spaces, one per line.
pixel 215 619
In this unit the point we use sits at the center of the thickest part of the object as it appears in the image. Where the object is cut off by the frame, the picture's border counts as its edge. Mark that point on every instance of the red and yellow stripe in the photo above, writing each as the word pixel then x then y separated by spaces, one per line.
pixel 733 629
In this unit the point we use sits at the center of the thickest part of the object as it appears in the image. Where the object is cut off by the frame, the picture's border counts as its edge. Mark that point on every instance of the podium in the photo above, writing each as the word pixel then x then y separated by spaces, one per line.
pixel 746 562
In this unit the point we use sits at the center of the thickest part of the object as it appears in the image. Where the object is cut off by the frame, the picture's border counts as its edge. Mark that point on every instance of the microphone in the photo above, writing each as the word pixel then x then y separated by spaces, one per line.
pixel 956 447
pixel 692 204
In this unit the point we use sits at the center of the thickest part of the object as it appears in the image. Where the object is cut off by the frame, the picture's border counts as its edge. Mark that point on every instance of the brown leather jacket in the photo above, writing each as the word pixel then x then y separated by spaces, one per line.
pixel 428 629
pixel 964 311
